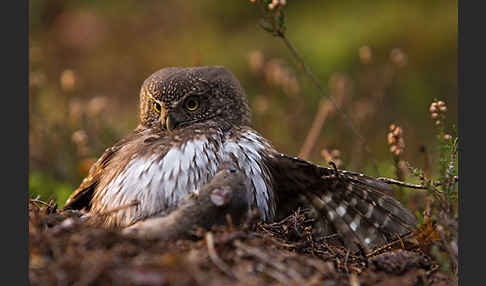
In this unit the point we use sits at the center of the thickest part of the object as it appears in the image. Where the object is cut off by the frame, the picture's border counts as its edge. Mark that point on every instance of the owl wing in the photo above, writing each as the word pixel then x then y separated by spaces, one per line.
pixel 81 197
pixel 352 204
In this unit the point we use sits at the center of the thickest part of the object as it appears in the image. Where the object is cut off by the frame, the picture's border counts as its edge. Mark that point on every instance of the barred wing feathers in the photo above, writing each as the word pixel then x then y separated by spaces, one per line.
pixel 352 203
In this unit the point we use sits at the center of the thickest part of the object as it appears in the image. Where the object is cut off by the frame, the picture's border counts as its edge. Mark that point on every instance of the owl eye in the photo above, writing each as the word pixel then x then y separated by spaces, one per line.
pixel 192 104
pixel 157 107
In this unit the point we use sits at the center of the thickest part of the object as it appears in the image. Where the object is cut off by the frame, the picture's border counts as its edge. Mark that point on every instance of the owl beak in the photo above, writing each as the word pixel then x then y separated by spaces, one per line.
pixel 166 123
pixel 170 123
pixel 164 119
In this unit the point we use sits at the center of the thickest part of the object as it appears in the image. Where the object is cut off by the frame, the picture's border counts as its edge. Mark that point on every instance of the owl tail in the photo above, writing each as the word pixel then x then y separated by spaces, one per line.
pixel 352 204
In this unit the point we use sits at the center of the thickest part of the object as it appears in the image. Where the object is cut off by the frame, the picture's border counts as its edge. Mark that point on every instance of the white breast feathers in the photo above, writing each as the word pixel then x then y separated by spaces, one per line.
pixel 159 183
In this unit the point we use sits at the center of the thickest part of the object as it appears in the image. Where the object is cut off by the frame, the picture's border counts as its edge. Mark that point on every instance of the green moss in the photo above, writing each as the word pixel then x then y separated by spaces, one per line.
pixel 48 188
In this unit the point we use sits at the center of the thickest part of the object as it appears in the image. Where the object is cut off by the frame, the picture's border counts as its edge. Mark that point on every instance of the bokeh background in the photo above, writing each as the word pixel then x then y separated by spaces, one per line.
pixel 384 62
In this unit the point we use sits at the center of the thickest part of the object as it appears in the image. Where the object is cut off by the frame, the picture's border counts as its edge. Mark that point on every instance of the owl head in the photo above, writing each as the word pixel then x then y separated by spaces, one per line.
pixel 174 98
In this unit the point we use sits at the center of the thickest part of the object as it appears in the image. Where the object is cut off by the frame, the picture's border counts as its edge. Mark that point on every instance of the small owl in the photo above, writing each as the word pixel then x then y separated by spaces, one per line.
pixel 192 120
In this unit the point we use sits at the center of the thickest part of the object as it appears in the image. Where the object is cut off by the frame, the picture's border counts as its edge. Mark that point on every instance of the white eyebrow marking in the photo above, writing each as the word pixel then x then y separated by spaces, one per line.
pixel 153 98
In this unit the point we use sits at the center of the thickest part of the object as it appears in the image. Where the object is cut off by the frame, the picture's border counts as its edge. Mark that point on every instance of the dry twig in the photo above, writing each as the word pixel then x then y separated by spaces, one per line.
pixel 400 183
pixel 325 109
pixel 272 262
pixel 215 258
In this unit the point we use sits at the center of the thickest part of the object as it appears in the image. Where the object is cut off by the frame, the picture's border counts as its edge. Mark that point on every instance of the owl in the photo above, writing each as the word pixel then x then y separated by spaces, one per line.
pixel 194 119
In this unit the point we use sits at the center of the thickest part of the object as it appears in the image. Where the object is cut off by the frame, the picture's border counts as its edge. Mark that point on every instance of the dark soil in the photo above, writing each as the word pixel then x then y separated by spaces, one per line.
pixel 65 250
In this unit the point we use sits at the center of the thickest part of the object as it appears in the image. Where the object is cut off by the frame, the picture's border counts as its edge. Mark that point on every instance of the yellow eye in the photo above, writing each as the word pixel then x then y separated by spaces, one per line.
pixel 192 104
pixel 157 107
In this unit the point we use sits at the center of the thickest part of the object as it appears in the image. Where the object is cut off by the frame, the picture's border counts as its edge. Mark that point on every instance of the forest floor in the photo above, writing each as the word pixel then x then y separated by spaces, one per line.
pixel 65 250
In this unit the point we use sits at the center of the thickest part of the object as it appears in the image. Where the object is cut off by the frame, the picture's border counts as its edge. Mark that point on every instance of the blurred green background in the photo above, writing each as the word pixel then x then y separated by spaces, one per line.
pixel 385 60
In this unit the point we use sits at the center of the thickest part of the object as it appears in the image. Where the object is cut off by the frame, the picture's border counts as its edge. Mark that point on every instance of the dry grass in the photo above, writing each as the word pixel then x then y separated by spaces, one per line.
pixel 64 250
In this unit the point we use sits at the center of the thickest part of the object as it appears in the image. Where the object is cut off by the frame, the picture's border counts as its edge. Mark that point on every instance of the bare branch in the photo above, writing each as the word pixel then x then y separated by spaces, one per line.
pixel 215 258
pixel 402 184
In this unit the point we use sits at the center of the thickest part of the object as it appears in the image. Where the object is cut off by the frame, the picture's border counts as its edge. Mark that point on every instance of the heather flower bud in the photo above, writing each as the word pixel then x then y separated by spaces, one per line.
pixel 433 108
pixel 365 54
pixel 395 140
pixel 335 153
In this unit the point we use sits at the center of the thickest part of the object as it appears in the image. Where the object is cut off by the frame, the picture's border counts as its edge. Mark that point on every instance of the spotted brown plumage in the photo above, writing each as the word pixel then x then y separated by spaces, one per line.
pixel 194 119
